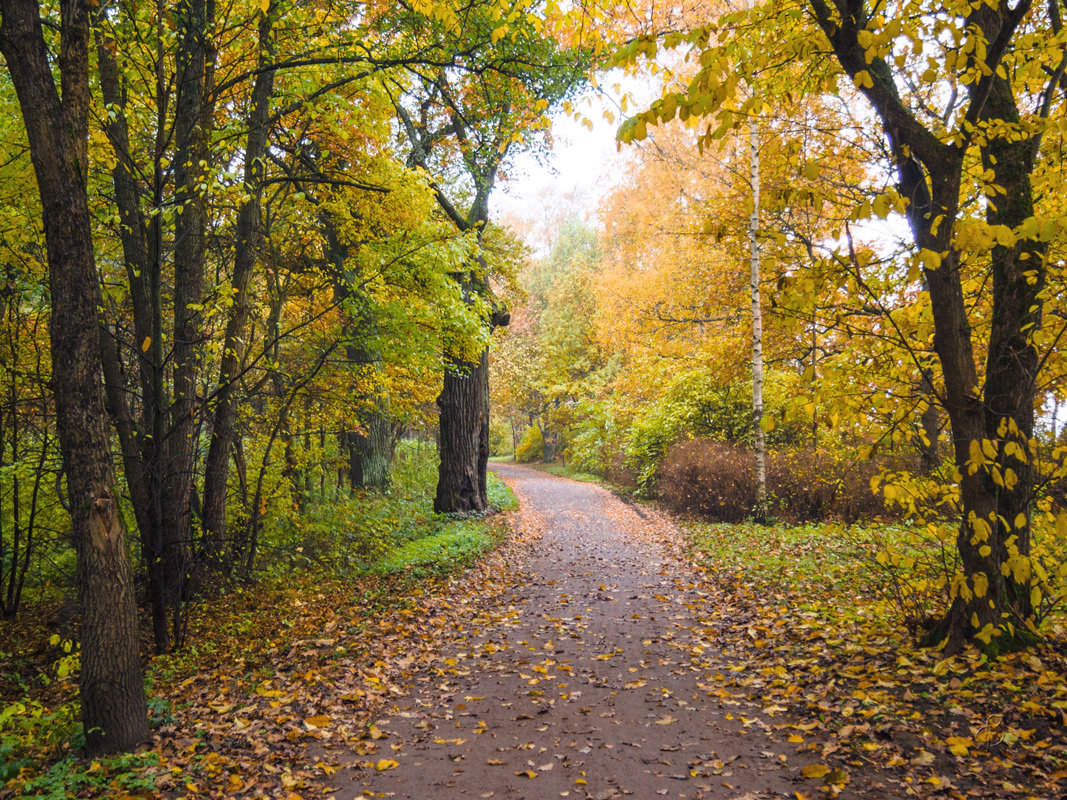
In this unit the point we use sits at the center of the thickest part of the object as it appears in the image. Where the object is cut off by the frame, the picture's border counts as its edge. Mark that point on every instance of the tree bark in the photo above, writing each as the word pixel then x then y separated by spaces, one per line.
pixel 142 443
pixel 114 711
pixel 248 238
pixel 464 442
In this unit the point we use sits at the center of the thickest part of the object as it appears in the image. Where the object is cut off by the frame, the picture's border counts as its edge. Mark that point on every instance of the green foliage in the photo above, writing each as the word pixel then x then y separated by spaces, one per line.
pixel 122 775
pixel 696 404
pixel 380 532
pixel 548 367
pixel 591 441
pixel 347 534
pixel 31 734
pixel 532 446
pixel 442 553
pixel 29 728
pixel 499 438
pixel 501 498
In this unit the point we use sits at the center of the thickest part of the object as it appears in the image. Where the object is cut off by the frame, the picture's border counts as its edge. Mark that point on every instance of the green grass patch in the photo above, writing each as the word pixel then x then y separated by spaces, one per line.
pixel 443 553
pixel 454 544
pixel 893 574
pixel 501 498
pixel 575 475
pixel 786 559
pixel 352 534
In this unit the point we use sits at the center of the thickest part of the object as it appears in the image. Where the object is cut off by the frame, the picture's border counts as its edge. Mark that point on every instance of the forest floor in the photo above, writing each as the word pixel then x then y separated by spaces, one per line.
pixel 601 652
pixel 614 667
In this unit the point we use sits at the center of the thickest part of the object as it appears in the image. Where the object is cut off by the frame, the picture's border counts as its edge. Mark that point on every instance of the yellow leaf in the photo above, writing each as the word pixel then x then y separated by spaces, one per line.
pixel 837 777
pixel 386 763
pixel 815 771
pixel 929 259
pixel 527 773
pixel 264 5
pixel 317 721
pixel 146 344
pixel 958 745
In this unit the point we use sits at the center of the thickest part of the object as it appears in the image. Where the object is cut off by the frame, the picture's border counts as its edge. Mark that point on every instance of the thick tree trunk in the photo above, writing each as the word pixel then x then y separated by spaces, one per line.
pixel 464 442
pixel 992 423
pixel 114 711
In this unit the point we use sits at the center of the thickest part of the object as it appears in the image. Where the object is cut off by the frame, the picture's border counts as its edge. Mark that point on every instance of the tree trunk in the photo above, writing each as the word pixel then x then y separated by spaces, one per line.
pixel 759 512
pixel 991 424
pixel 371 451
pixel 930 422
pixel 248 237
pixel 464 442
pixel 114 711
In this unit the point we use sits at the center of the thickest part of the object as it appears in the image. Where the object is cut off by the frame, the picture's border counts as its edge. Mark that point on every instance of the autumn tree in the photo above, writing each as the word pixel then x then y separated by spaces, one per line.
pixel 462 121
pixel 964 95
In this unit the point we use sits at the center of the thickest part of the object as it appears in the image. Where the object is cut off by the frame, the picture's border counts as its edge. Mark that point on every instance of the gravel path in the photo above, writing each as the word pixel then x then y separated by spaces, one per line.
pixel 596 681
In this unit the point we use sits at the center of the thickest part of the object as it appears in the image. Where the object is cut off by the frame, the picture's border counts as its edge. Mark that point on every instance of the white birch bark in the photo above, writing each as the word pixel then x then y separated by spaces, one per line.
pixel 758 439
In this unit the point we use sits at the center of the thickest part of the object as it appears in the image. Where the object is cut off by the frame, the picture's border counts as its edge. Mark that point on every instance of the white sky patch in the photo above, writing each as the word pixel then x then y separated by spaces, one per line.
pixel 583 167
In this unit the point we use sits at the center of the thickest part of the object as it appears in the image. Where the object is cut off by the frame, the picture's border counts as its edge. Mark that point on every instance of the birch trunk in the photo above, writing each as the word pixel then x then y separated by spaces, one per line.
pixel 759 443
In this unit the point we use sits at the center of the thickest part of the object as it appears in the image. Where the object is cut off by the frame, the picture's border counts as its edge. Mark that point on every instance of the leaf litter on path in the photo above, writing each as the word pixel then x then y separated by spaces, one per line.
pixel 594 680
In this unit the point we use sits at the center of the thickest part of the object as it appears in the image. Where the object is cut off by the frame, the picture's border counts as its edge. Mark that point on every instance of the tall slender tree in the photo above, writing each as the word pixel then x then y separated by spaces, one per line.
pixel 114 710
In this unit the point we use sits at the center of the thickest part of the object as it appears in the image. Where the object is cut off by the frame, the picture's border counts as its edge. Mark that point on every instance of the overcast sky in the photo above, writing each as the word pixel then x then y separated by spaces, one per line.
pixel 583 167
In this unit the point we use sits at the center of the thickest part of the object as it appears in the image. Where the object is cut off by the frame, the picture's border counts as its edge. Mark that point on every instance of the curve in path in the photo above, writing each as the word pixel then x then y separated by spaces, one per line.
pixel 598 681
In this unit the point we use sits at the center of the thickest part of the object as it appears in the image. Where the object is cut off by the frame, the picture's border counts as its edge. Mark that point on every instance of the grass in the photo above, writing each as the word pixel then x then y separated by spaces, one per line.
pixel 442 553
pixel 819 624
pixel 794 559
pixel 897 572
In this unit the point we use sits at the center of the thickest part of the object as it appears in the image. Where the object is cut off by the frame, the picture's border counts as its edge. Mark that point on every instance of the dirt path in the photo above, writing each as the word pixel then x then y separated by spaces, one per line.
pixel 598 680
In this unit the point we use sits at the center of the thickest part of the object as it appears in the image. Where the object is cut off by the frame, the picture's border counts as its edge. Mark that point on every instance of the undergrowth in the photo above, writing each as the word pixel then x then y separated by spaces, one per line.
pixel 361 558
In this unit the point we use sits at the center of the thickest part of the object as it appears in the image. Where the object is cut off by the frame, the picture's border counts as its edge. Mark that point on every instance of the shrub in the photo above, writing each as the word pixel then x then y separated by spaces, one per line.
pixel 697 405
pixel 718 481
pixel 814 485
pixel 618 472
pixel 708 478
pixel 532 446
pixel 590 437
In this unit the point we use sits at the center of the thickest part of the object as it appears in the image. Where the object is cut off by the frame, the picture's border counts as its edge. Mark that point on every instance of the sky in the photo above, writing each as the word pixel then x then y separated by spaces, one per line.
pixel 582 168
